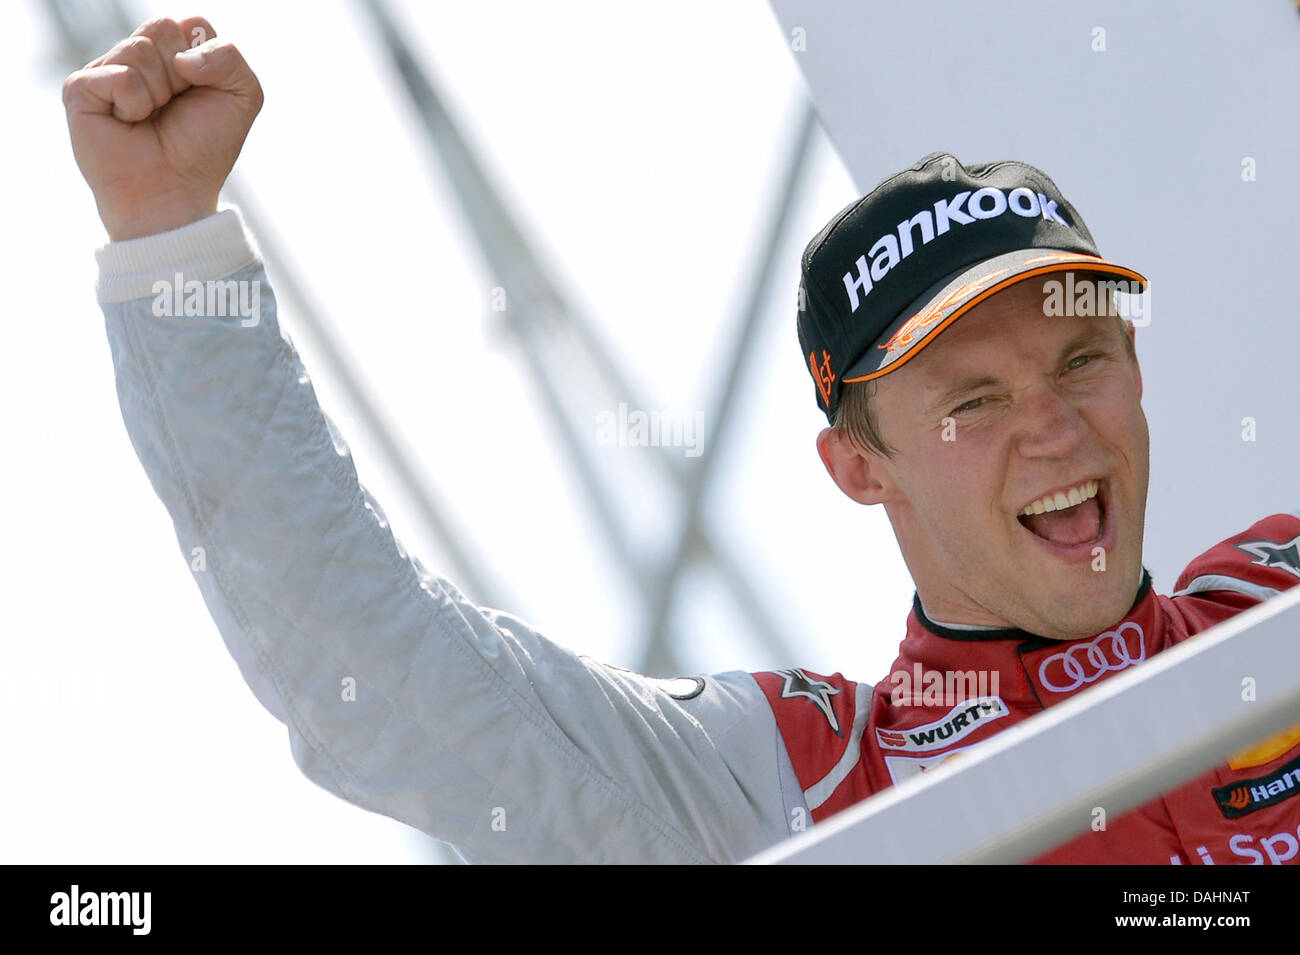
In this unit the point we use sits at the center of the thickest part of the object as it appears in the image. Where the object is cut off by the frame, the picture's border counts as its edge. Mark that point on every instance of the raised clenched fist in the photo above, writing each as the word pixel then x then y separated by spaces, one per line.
pixel 157 123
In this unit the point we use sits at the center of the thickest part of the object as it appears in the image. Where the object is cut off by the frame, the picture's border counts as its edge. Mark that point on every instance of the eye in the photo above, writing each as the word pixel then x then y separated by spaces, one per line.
pixel 1074 364
pixel 969 405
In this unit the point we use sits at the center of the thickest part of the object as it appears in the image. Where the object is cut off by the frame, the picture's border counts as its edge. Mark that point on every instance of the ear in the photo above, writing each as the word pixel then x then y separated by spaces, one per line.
pixel 859 474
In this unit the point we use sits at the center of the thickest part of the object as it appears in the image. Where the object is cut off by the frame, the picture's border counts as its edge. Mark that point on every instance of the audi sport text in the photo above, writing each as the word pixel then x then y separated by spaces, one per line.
pixel 1278 848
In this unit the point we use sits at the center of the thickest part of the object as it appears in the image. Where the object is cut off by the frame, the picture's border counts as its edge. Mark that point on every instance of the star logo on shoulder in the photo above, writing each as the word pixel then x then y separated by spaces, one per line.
pixel 798 683
pixel 1275 553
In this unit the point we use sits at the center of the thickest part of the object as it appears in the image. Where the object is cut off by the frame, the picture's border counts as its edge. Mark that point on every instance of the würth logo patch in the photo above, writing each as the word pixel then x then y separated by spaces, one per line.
pixel 958 723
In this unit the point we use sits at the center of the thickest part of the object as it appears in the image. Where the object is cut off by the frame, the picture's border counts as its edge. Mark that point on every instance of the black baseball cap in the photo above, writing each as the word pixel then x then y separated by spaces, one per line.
pixel 893 269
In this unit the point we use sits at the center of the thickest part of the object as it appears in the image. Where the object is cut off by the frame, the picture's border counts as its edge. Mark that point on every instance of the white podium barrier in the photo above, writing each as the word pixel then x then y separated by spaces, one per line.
pixel 1113 747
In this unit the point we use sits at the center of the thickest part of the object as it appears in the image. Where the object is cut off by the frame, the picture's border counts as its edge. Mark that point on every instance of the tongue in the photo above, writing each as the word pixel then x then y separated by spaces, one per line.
pixel 1073 525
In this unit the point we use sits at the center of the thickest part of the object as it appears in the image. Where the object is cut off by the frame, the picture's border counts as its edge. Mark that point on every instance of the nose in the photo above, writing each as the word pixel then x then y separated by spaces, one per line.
pixel 1050 426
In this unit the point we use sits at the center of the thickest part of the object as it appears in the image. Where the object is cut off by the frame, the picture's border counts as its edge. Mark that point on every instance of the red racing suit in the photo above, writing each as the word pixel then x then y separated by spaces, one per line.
pixel 848 741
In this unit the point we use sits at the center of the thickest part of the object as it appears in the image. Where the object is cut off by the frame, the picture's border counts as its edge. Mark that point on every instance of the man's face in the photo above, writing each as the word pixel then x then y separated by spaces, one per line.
pixel 1059 407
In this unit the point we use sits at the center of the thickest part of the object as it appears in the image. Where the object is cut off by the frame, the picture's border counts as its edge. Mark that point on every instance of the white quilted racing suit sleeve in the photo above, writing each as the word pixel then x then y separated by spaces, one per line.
pixel 466 723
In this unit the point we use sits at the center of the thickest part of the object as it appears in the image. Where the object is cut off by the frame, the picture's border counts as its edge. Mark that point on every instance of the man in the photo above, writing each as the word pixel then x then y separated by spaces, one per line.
pixel 403 697
pixel 968 348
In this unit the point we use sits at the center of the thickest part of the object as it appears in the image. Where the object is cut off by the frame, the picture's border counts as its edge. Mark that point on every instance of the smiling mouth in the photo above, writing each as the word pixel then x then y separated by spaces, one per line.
pixel 1082 523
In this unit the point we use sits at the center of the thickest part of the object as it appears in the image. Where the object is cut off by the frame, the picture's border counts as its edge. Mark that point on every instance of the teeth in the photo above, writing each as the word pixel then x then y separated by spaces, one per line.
pixel 1059 501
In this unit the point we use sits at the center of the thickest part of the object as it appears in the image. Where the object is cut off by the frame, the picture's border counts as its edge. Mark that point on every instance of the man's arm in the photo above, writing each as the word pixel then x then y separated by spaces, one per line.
pixel 399 694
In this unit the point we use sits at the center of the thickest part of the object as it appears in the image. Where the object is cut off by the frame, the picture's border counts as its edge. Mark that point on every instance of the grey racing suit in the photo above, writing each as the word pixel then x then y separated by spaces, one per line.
pixel 464 722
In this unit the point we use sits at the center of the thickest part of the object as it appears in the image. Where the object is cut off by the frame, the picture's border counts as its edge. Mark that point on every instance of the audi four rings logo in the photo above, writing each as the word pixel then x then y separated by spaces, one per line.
pixel 1086 662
